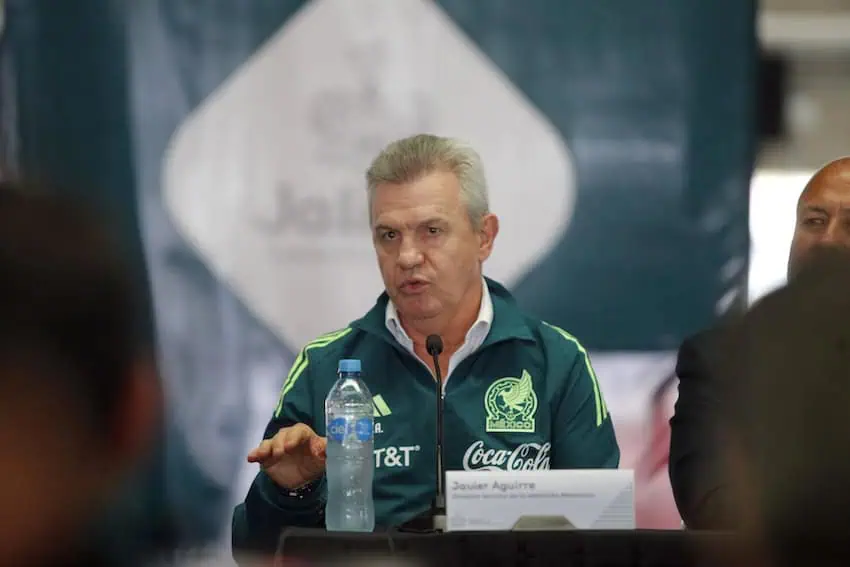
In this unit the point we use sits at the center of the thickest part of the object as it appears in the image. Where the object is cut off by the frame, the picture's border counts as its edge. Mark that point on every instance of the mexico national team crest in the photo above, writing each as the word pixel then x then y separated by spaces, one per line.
pixel 511 405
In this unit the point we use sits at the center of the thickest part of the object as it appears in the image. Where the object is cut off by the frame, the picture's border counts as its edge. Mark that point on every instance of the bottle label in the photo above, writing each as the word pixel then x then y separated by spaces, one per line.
pixel 364 429
pixel 337 429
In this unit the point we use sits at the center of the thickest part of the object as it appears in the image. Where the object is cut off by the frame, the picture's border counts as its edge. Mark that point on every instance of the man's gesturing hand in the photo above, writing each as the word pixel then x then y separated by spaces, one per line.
pixel 293 457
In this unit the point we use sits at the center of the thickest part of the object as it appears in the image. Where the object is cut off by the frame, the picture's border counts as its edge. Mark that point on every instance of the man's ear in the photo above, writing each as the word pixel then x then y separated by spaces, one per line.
pixel 487 235
pixel 138 414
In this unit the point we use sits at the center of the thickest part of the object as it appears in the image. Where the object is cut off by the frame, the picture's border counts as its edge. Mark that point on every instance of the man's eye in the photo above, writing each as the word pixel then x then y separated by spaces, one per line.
pixel 434 230
pixel 389 235
pixel 814 221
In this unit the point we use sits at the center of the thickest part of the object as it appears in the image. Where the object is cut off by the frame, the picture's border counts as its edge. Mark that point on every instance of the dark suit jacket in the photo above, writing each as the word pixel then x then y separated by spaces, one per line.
pixel 698 471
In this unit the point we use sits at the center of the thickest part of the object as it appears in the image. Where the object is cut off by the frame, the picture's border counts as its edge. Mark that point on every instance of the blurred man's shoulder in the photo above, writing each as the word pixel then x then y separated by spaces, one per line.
pixel 704 354
pixel 715 335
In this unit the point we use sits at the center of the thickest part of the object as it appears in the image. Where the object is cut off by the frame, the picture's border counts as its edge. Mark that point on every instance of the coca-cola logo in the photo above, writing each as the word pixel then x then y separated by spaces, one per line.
pixel 524 457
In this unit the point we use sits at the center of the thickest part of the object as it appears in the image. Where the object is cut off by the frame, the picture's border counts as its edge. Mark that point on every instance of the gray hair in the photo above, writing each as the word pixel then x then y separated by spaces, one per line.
pixel 408 159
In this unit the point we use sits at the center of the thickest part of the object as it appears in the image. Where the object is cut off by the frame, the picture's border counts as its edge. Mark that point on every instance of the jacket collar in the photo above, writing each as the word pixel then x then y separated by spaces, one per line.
pixel 508 322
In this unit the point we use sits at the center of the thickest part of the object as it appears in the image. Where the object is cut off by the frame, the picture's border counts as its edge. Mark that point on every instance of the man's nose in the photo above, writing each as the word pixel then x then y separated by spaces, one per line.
pixel 835 234
pixel 409 254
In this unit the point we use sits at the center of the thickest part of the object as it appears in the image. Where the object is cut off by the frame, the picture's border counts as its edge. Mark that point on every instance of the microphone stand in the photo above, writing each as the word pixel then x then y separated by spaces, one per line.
pixel 434 345
pixel 435 518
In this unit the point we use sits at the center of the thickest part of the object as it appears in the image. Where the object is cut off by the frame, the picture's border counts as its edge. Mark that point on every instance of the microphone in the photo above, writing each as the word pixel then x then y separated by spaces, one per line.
pixel 434 346
pixel 434 519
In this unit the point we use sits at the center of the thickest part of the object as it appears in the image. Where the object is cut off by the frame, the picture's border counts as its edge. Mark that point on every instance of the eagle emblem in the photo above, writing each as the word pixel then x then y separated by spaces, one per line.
pixel 511 405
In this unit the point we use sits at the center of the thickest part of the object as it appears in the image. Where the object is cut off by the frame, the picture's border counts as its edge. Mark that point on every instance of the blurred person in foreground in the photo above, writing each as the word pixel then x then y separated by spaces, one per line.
pixel 78 400
pixel 787 441
pixel 519 392
pixel 698 476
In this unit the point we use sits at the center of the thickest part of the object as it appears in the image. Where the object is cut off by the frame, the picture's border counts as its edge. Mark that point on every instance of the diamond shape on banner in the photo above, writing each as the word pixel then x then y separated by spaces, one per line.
pixel 265 178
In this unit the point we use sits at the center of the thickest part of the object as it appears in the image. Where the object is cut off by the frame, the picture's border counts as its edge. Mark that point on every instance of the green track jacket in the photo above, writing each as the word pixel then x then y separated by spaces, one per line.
pixel 526 399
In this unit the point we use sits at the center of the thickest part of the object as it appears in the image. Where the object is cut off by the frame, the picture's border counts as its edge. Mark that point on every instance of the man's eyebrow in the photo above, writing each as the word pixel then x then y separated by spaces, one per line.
pixel 424 222
pixel 814 209
pixel 433 220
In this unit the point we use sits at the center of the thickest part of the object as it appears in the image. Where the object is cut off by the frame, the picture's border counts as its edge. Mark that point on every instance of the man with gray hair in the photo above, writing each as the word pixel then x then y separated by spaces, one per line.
pixel 519 393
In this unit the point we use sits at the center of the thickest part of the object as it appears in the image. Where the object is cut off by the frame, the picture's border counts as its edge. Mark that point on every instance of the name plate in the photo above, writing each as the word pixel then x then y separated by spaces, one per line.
pixel 540 500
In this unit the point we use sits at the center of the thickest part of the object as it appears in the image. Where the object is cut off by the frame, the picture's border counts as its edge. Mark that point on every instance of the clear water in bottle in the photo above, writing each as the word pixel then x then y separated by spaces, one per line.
pixel 350 464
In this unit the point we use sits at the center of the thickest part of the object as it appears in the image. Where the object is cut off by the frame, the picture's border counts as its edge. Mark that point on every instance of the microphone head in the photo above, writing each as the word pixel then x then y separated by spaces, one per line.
pixel 434 345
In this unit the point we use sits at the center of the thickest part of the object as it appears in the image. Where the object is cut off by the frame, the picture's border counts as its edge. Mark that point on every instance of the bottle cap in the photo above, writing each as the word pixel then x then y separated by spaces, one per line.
pixel 349 365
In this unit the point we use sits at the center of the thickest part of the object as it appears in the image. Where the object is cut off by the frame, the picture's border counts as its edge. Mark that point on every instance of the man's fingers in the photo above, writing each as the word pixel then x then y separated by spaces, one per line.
pixel 261 452
pixel 296 436
pixel 287 441
pixel 318 447
pixel 278 444
pixel 268 449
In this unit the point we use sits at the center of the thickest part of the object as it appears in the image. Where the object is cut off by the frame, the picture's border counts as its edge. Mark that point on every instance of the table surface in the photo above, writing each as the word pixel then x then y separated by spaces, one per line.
pixel 569 548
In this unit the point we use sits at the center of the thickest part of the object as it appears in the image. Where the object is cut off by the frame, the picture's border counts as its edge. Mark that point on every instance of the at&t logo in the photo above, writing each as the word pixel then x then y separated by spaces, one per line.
pixel 394 457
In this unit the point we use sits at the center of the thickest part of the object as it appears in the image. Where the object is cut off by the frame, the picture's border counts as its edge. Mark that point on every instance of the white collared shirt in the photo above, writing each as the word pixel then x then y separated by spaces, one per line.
pixel 474 337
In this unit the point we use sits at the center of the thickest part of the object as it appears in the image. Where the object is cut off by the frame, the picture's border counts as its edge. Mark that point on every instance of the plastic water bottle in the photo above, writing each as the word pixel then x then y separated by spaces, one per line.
pixel 350 464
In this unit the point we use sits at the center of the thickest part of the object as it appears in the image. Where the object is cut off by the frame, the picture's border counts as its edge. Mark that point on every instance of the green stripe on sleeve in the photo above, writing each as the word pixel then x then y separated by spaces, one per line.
pixel 302 360
pixel 601 406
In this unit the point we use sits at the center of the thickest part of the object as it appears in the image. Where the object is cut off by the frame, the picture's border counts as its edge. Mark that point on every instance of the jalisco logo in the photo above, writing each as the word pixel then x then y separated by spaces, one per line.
pixel 394 457
pixel 296 214
pixel 525 457
pixel 511 404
